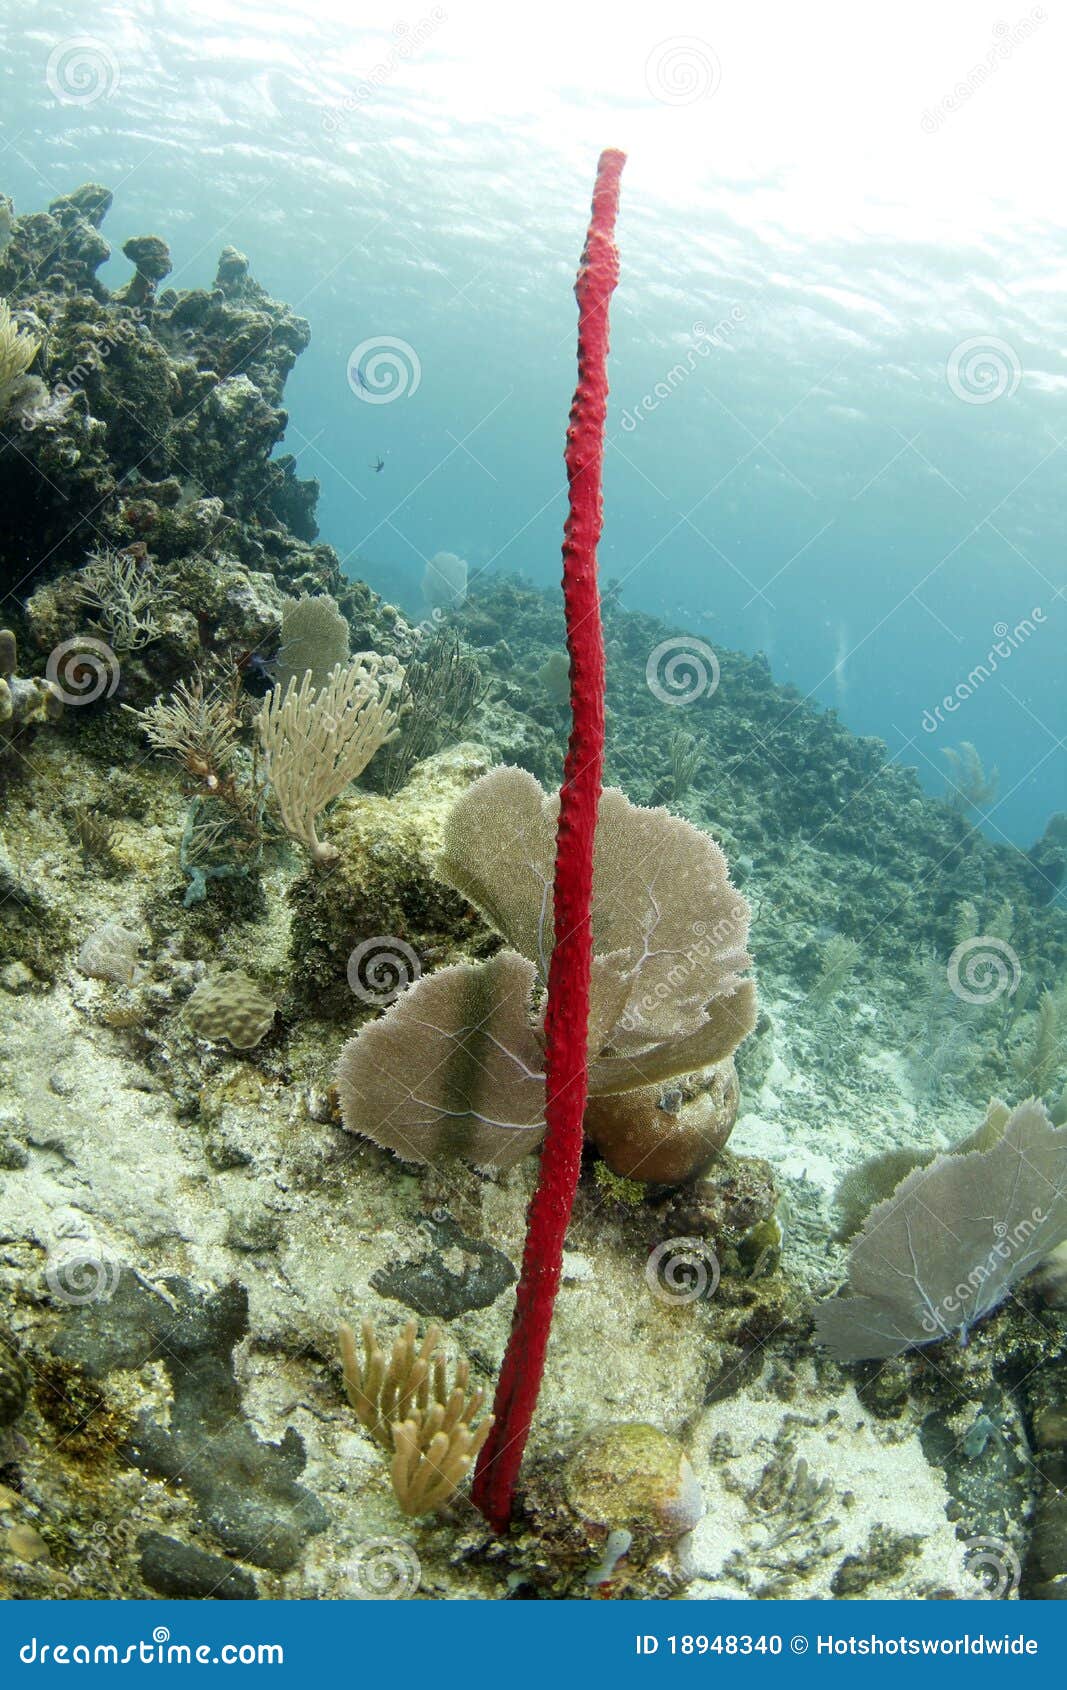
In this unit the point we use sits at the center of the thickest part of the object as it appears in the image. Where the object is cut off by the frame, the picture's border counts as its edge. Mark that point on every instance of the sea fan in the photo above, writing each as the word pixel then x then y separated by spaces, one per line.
pixel 456 1066
pixel 950 1243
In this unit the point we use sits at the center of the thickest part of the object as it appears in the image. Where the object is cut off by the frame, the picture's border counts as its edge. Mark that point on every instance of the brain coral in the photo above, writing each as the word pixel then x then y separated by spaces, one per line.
pixel 232 1007
pixel 110 954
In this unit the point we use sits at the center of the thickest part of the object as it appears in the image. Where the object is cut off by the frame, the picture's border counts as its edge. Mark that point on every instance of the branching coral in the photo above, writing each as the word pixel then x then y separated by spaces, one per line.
pixel 969 786
pixel 840 959
pixel 406 1404
pixel 940 1047
pixel 684 752
pixel 442 689
pixel 97 835
pixel 316 741
pixel 200 725
pixel 1040 1057
pixel 124 592
pixel 217 844
pixel 17 352
pixel 197 726
pixel 792 1511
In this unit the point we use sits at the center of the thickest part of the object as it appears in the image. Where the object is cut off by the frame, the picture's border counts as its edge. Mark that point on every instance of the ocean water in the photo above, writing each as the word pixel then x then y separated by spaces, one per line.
pixel 837 368
pixel 271 1053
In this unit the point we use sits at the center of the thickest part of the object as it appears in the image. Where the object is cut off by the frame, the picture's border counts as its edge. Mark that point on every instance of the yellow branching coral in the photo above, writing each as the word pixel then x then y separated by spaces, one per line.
pixel 405 1403
pixel 381 1391
pixel 17 352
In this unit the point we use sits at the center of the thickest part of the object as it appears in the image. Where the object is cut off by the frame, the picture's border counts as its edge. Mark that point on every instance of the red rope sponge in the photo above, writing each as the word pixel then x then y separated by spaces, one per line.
pixel 567 1011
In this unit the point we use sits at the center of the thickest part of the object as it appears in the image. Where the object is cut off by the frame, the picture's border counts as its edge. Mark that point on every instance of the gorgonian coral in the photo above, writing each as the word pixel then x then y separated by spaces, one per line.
pixel 456 1067
pixel 316 740
pixel 950 1243
pixel 17 352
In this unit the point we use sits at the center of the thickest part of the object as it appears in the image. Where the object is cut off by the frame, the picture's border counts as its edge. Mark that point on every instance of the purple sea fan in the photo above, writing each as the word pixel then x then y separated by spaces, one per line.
pixel 950 1243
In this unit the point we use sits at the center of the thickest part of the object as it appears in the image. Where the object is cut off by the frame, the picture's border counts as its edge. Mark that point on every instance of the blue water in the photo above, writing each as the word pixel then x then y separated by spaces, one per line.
pixel 810 234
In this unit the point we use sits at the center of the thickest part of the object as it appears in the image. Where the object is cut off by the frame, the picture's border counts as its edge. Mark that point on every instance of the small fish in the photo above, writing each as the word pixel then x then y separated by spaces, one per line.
pixel 377 466
pixel 258 673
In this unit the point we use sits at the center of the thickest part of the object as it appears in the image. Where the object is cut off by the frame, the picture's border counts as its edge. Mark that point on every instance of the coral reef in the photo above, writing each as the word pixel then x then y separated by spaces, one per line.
pixel 185 1218
pixel 247 1488
pixel 836 828
pixel 24 704
pixel 154 426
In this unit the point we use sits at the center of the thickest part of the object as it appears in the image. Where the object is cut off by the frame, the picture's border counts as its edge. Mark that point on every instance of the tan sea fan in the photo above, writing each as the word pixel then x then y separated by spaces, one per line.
pixel 670 932
pixel 953 1240
pixel 406 1404
pixel 456 1066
